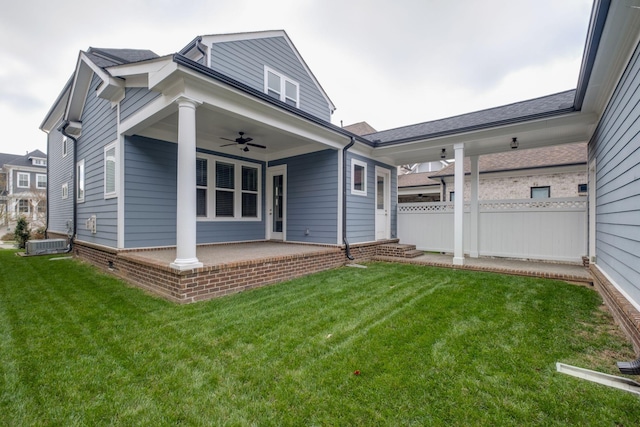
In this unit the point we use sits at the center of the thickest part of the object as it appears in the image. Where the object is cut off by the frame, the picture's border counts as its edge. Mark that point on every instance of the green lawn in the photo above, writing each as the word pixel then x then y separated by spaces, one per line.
pixel 432 347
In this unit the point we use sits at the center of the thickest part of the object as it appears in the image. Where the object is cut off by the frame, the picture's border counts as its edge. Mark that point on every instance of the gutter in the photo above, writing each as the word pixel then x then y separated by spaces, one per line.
pixel 72 230
pixel 344 198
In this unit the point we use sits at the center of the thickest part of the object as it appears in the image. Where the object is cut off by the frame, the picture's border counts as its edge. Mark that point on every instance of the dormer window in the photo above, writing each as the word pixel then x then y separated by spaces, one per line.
pixel 281 87
pixel 38 162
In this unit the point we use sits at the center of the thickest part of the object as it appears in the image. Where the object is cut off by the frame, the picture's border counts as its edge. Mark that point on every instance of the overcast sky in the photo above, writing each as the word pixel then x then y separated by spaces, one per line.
pixel 388 62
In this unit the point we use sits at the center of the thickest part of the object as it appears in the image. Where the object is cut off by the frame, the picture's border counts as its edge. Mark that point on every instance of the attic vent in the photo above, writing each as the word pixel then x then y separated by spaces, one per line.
pixel 39 247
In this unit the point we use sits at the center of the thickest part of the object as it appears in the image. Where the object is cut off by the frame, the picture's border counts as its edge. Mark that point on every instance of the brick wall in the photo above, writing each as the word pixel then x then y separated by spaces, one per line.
pixel 623 311
pixel 217 280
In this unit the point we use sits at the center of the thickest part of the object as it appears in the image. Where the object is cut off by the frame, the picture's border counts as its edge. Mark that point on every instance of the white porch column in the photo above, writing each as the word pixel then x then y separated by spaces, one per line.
pixel 186 258
pixel 458 206
pixel 474 242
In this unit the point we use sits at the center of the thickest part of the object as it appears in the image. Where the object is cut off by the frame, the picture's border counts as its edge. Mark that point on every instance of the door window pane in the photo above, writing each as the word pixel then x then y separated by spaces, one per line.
pixel 380 192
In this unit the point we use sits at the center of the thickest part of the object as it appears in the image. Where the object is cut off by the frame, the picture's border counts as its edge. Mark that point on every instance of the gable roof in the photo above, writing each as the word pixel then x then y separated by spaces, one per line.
pixel 534 158
pixel 104 58
pixel 23 160
pixel 550 105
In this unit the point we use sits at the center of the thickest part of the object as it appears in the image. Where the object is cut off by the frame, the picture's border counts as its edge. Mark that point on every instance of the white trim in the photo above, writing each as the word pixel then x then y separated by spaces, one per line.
pixel 237 190
pixel 18 174
pixel 38 175
pixel 112 146
pixel 80 185
pixel 282 93
pixel 354 191
pixel 386 173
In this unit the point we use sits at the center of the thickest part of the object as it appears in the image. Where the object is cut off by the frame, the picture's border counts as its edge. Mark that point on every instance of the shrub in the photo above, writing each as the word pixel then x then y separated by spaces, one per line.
pixel 22 232
pixel 38 234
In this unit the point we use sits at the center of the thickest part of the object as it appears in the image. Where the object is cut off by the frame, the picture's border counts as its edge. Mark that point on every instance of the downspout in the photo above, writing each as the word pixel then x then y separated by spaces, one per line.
pixel 63 130
pixel 444 190
pixel 204 54
pixel 344 198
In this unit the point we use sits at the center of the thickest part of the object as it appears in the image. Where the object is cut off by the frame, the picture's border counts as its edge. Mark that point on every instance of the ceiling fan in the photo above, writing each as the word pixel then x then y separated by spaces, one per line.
pixel 242 141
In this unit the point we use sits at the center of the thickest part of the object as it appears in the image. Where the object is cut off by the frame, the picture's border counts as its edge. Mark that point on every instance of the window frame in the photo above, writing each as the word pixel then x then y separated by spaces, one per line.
pixel 282 91
pixel 114 193
pixel 540 187
pixel 28 204
pixel 363 165
pixel 211 188
pixel 80 190
pixel 18 175
pixel 583 188
pixel 39 175
pixel 65 146
pixel 65 190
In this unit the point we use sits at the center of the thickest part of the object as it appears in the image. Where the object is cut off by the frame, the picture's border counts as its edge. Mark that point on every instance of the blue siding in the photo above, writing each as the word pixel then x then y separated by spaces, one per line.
pixel 245 60
pixel 616 149
pixel 99 128
pixel 59 171
pixel 361 209
pixel 150 192
pixel 135 99
pixel 312 197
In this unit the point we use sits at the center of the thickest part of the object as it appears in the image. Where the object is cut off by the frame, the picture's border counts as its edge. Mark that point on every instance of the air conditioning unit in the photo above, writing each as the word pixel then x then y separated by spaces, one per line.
pixel 47 246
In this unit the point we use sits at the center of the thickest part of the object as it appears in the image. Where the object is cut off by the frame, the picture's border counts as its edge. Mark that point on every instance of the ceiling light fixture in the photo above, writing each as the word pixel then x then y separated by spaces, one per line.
pixel 514 143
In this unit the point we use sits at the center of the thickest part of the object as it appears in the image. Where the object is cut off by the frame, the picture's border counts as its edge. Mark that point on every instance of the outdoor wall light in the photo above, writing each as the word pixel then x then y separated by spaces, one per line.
pixel 443 153
pixel 514 143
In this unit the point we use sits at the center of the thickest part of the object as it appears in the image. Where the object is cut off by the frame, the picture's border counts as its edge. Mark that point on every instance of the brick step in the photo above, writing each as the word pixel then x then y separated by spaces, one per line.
pixel 398 250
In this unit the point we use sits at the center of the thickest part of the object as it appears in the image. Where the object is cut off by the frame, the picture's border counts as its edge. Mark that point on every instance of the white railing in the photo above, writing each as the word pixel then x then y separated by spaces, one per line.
pixel 549 229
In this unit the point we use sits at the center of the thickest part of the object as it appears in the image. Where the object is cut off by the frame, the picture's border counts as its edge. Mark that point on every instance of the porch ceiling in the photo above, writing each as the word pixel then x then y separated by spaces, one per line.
pixel 565 129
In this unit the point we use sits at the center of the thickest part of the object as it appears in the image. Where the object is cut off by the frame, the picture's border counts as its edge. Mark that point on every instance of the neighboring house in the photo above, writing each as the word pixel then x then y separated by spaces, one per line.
pixel 556 171
pixel 23 180
pixel 130 128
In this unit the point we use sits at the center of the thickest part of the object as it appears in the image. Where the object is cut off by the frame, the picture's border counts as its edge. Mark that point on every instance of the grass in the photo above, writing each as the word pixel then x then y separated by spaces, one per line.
pixel 432 347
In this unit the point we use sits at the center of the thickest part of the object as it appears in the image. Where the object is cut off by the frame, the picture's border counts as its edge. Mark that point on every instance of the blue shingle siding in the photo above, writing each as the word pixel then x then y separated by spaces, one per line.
pixel 361 209
pixel 150 192
pixel 244 61
pixel 99 128
pixel 616 148
pixel 60 171
pixel 312 197
pixel 135 99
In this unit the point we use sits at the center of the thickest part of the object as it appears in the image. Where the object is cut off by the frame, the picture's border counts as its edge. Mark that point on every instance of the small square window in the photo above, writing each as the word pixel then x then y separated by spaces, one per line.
pixel 540 192
pixel 582 188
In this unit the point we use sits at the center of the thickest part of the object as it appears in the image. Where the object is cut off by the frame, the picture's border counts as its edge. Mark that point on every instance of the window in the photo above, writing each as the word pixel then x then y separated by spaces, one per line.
pixel 65 146
pixel 110 170
pixel 65 190
pixel 80 181
pixel 38 162
pixel 42 207
pixel 452 196
pixel 41 181
pixel 358 177
pixel 232 193
pixel 540 192
pixel 281 87
pixel 23 206
pixel 583 188
pixel 23 180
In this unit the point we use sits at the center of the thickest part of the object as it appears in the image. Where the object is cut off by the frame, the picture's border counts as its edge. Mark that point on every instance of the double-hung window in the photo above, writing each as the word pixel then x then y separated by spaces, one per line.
pixel 110 170
pixel 41 182
pixel 281 87
pixel 227 189
pixel 23 180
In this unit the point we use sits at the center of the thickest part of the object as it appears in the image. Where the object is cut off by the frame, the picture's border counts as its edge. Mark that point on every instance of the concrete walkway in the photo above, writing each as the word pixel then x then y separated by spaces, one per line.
pixel 560 271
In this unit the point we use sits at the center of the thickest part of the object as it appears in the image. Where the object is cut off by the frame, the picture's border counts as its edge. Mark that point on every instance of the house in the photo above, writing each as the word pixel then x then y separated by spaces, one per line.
pixel 132 134
pixel 23 182
pixel 555 171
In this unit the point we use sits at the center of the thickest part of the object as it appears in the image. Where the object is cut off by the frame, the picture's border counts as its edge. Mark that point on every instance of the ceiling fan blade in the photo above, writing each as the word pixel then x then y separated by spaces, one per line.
pixel 256 145
pixel 226 145
pixel 227 139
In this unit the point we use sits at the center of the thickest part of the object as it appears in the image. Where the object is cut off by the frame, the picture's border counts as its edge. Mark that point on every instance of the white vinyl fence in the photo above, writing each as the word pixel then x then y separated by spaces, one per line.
pixel 540 229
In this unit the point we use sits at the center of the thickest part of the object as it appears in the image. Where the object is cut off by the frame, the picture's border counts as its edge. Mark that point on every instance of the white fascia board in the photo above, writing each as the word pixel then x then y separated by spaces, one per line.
pixel 57 110
pixel 111 88
pixel 620 37
pixel 137 74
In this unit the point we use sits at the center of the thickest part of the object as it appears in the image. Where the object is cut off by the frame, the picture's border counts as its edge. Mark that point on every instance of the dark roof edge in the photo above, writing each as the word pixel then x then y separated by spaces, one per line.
pixel 522 168
pixel 598 18
pixel 203 69
pixel 479 127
